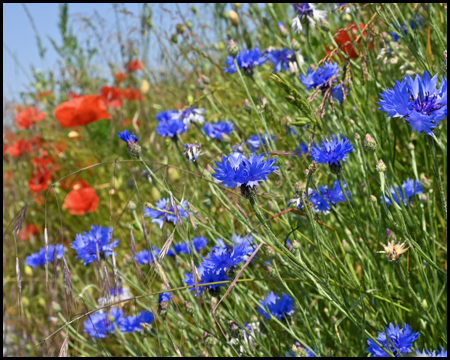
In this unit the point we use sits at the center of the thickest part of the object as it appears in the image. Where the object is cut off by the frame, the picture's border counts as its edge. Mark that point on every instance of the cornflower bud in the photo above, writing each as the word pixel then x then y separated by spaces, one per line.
pixel 131 205
pixel 370 144
pixel 373 199
pixel 357 136
pixel 426 184
pixel 283 31
pixel 381 166
pixel 270 252
pixel 295 246
pixel 235 330
pixel 295 45
pixel 233 48
pixel 188 308
pixel 247 106
pixel 208 339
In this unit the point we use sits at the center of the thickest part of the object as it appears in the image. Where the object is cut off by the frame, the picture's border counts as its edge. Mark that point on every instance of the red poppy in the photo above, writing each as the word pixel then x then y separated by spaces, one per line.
pixel 19 147
pixel 134 65
pixel 119 77
pixel 112 96
pixel 29 230
pixel 81 199
pixel 80 111
pixel 28 117
pixel 39 180
pixel 5 149
pixel 132 94
pixel 344 38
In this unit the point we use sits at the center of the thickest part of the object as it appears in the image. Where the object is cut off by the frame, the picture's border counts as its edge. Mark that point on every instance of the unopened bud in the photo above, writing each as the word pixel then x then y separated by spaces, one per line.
pixel 346 246
pixel 370 144
pixel 373 199
pixel 270 252
pixel 131 205
pixel 234 17
pixel 295 246
pixel 295 45
pixel 381 166
pixel 357 136
pixel 174 38
pixel 411 147
pixel 188 308
pixel 298 350
pixel 298 188
pixel 189 24
pixel 179 28
pixel 325 26
pixel 426 184
pixel 247 106
pixel 312 167
pixel 208 339
pixel 283 31
pixel 233 48
pixel 162 309
pixel 271 271
pixel 235 330
pixel 390 235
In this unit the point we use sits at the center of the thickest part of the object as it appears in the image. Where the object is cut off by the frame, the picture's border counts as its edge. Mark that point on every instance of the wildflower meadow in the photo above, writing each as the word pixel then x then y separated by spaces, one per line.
pixel 246 180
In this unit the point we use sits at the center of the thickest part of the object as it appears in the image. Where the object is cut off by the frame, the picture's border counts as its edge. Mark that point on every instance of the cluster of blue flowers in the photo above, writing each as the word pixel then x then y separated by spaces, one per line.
pixel 322 199
pixel 38 259
pixel 417 101
pixel 246 60
pixel 221 259
pixel 236 170
pixel 409 189
pixel 160 217
pixel 322 78
pixel 86 244
pixel 218 129
pixel 197 243
pixel 281 58
pixel 276 306
pixel 173 122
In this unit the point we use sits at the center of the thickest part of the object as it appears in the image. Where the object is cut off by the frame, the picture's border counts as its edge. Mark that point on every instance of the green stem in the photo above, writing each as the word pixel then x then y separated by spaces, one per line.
pixel 438 177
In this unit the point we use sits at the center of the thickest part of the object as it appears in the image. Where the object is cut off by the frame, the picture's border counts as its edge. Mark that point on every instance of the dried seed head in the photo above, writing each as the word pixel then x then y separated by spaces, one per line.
pixel 393 251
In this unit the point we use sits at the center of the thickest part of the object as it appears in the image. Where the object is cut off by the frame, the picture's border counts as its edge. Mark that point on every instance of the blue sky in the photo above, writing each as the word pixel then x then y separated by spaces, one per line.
pixel 19 36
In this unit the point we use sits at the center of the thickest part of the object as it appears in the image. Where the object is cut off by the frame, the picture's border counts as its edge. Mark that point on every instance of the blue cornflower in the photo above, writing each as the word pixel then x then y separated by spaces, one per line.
pixel 331 151
pixel 320 79
pixel 206 276
pixel 399 339
pixel 100 323
pixel 246 60
pixel 256 141
pixel 332 196
pixel 218 129
pixel 127 137
pixel 302 149
pixel 191 114
pixel 85 245
pixel 38 259
pixel 410 188
pixel 276 306
pixel 297 201
pixel 306 12
pixel 167 115
pixel 165 297
pixel 435 353
pixel 159 216
pixel 417 101
pixel 235 170
pixel 170 128
pixel 199 243
pixel 246 243
pixel 224 258
pixel 281 58
pixel 142 256
pixel 134 323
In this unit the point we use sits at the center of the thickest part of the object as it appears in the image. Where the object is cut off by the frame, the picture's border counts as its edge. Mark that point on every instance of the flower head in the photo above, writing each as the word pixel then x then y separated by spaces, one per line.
pixel 236 170
pixel 332 196
pixel 417 101
pixel 160 216
pixel 165 297
pixel 199 243
pixel 278 307
pixel 435 353
pixel 38 259
pixel 302 149
pixel 254 142
pixel 170 128
pixel 80 200
pixel 246 243
pixel 192 151
pixel 306 12
pixel 224 258
pixel 281 58
pixel 167 115
pixel 142 256
pixel 331 151
pixel 100 323
pixel 399 339
pixel 133 148
pixel 218 129
pixel 322 78
pixel 409 188
pixel 81 110
pixel 86 244
pixel 393 251
pixel 134 322
pixel 246 60
pixel 28 117
pixel 191 114
pixel 205 276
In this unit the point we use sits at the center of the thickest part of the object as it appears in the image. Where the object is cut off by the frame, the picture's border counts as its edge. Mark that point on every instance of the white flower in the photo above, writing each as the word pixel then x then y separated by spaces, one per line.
pixel 306 12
